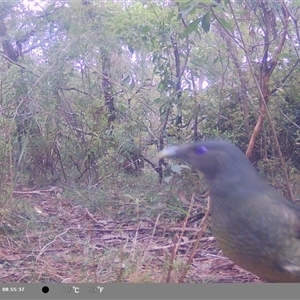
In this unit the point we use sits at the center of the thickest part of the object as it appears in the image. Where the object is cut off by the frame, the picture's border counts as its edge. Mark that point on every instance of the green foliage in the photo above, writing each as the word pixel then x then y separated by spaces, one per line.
pixel 145 64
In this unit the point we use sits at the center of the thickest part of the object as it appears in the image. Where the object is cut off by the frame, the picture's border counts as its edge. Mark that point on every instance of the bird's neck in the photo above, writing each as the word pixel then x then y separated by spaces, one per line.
pixel 233 186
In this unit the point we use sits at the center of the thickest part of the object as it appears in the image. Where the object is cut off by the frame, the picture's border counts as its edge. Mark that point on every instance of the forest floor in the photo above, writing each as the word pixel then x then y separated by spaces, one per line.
pixel 127 229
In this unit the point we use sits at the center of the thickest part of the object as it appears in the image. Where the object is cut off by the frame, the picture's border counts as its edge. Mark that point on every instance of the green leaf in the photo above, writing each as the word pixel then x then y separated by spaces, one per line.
pixel 191 27
pixel 50 8
pixel 176 169
pixel 132 84
pixel 167 179
pixel 216 60
pixel 126 80
pixel 188 10
pixel 206 22
pixel 225 24
pixel 284 55
pixel 156 100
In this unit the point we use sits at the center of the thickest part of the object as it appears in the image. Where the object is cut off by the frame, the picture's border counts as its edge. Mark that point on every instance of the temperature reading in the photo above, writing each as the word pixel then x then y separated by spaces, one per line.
pixel 98 289
pixel 72 289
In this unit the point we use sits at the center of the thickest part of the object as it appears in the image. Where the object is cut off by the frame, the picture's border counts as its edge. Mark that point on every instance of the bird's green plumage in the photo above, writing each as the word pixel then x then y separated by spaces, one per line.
pixel 255 226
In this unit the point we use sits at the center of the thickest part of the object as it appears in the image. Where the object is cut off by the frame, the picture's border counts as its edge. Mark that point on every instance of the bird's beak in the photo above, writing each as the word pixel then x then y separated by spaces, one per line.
pixel 168 152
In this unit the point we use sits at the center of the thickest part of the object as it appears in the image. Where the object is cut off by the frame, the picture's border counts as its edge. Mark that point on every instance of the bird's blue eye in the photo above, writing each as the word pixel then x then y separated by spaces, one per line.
pixel 200 150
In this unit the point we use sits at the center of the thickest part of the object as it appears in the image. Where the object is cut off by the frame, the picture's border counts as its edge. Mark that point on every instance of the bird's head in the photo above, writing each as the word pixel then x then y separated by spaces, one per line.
pixel 212 158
